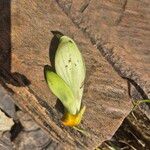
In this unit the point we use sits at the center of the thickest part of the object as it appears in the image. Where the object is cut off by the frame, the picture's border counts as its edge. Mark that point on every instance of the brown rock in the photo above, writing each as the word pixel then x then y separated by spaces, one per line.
pixel 27 122
pixel 121 31
pixel 37 140
pixel 106 94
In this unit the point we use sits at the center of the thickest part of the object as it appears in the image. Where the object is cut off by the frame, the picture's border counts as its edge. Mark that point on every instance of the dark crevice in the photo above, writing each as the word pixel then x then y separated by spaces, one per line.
pixel 124 5
pixel 138 88
pixel 17 108
pixel 5 113
pixel 15 130
pixel 122 13
pixel 84 7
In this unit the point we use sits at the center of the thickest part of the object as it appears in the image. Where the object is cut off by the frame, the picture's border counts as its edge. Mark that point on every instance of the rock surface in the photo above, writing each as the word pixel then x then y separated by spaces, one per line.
pixel 6 103
pixel 121 31
pixel 106 94
pixel 5 142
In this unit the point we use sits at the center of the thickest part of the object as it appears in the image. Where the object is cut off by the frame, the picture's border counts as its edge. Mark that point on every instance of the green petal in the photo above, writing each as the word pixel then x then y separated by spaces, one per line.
pixel 61 90
pixel 70 66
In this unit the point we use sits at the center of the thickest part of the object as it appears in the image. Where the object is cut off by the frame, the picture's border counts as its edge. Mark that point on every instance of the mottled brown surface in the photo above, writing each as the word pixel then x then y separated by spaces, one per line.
pixel 106 94
pixel 121 31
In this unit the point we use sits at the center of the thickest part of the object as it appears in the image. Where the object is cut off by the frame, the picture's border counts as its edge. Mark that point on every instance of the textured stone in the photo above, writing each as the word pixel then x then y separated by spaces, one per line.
pixel 6 123
pixel 121 31
pixel 105 95
pixel 6 103
pixel 31 140
pixel 5 142
pixel 27 122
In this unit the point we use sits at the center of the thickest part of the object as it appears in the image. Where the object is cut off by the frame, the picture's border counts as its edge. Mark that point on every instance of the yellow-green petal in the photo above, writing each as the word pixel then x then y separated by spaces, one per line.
pixel 69 65
pixel 61 90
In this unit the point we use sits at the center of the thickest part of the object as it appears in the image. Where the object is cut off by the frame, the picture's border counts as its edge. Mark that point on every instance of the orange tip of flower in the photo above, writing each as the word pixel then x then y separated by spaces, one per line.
pixel 73 120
